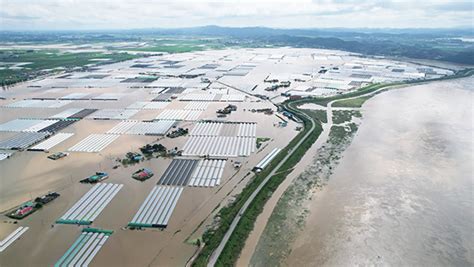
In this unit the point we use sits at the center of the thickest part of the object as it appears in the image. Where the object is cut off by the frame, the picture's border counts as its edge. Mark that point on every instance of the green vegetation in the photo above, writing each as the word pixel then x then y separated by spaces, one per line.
pixel 48 59
pixel 424 44
pixel 458 74
pixel 339 133
pixel 246 224
pixel 30 207
pixel 168 48
pixel 342 116
pixel 289 215
pixel 234 246
pixel 155 150
pixel 131 158
pixel 351 103
pixel 22 65
pixel 213 237
pixel 323 101
pixel 409 45
pixel 320 115
pixel 178 45
pixel 261 140
pixel 339 138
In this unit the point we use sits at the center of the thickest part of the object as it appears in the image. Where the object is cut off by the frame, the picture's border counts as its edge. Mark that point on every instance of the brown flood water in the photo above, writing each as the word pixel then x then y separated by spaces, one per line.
pixel 403 192
pixel 262 219
pixel 29 174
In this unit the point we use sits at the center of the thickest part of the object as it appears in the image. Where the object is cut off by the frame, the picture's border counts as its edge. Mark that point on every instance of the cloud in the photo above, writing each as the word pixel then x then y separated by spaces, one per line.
pixel 126 14
pixel 4 15
pixel 457 6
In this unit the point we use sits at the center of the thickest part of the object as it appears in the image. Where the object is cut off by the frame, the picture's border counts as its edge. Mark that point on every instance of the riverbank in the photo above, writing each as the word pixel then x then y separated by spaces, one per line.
pixel 299 231
pixel 290 212
pixel 223 243
pixel 231 242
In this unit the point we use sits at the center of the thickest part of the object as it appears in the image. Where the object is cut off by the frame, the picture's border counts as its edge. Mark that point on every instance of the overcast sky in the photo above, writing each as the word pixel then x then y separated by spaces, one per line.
pixel 129 14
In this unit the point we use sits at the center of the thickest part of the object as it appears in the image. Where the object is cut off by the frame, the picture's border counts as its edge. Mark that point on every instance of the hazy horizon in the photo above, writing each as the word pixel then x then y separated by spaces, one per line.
pixel 348 29
pixel 47 15
pixel 204 133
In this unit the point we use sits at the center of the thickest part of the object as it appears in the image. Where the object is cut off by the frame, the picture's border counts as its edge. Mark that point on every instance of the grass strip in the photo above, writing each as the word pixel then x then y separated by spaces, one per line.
pixel 351 103
pixel 213 237
pixel 236 242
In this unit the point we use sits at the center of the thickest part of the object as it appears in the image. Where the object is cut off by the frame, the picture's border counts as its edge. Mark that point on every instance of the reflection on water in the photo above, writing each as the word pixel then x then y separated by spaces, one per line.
pixel 403 193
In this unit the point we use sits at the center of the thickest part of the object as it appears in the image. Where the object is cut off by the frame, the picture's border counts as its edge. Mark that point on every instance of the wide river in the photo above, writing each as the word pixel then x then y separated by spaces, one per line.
pixel 403 192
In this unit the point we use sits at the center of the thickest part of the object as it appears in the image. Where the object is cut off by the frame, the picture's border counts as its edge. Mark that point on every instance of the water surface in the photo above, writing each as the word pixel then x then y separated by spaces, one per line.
pixel 403 193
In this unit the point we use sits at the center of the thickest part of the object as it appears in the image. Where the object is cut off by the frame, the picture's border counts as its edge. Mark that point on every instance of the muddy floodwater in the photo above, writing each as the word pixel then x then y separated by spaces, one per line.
pixel 403 192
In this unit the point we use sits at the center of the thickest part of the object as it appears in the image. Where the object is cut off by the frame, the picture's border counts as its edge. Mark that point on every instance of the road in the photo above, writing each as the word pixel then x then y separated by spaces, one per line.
pixel 262 219
pixel 217 252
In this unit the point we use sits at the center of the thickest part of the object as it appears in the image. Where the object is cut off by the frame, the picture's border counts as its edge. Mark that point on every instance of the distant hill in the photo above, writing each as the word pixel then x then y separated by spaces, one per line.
pixel 434 44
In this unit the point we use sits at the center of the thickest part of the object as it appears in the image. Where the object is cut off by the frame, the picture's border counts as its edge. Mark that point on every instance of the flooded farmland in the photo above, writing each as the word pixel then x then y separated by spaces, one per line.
pixel 129 110
pixel 402 194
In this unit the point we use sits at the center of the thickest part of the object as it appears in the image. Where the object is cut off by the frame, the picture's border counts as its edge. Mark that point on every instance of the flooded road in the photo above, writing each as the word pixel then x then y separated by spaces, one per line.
pixel 403 192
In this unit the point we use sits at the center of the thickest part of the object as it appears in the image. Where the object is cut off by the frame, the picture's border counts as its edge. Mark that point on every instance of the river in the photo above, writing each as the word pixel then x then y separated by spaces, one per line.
pixel 403 192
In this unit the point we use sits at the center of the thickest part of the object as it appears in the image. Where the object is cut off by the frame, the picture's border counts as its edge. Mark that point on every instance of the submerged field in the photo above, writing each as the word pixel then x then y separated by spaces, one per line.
pixel 221 101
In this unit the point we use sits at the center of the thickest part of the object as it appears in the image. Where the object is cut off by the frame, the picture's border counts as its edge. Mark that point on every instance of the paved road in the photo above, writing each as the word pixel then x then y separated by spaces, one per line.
pixel 215 255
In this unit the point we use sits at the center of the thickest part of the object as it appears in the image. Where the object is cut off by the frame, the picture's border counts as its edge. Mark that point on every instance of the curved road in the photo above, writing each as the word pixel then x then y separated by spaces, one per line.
pixel 217 252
